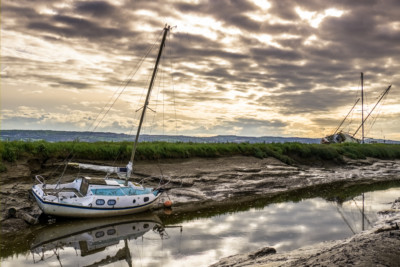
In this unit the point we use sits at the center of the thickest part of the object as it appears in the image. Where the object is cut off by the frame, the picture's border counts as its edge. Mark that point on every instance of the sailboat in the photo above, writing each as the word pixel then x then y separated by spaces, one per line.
pixel 342 137
pixel 101 197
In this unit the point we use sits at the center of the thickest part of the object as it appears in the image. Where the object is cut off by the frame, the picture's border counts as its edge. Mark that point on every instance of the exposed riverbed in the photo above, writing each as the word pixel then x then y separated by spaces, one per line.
pixel 202 189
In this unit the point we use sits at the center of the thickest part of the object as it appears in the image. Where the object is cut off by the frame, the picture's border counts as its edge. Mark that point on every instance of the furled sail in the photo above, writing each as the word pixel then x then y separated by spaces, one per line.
pixel 120 171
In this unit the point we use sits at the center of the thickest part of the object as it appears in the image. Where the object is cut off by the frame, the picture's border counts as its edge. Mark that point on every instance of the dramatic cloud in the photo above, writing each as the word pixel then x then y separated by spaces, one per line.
pixel 273 67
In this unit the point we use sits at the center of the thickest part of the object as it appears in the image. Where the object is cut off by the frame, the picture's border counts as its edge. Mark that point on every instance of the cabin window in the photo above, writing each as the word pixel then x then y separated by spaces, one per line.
pixel 146 199
pixel 146 226
pixel 99 234
pixel 134 201
pixel 111 202
pixel 110 231
pixel 100 202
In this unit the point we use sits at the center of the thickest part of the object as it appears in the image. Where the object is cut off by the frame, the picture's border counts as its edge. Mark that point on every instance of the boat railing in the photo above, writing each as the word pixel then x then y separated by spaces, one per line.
pixel 40 179
pixel 56 192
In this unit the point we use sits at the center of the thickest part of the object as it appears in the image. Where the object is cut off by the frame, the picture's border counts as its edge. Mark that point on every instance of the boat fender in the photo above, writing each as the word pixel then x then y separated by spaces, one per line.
pixel 168 204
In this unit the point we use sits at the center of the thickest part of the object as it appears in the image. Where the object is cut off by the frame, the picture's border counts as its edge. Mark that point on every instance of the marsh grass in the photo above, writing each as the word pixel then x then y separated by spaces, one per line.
pixel 289 153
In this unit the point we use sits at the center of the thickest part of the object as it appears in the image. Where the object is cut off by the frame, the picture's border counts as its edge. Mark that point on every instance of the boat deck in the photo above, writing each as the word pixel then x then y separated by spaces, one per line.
pixel 54 192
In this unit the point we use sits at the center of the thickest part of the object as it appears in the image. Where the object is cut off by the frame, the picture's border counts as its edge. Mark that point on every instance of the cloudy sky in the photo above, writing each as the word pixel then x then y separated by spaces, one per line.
pixel 254 68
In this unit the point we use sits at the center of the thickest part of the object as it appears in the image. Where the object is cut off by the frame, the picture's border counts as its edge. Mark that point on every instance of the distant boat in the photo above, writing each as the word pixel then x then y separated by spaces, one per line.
pixel 101 197
pixel 342 137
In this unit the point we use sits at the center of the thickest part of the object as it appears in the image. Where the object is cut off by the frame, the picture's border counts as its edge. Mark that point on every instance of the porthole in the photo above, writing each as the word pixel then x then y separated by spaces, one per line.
pixel 134 201
pixel 100 202
pixel 145 226
pixel 111 202
pixel 110 231
pixel 133 227
pixel 99 234
pixel 146 199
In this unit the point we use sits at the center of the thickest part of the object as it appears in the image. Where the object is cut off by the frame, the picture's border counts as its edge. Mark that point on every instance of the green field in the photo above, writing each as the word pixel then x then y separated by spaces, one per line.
pixel 290 153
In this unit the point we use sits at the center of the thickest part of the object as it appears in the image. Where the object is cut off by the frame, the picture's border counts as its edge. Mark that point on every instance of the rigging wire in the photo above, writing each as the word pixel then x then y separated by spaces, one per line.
pixel 349 123
pixel 169 50
pixel 159 82
pixel 70 155
pixel 162 84
pixel 126 83
pixel 378 113
pixel 159 79
pixel 138 103
pixel 163 112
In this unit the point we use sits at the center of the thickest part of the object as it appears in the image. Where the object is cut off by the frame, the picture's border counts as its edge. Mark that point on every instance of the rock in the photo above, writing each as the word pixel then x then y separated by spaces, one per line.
pixel 27 217
pixel 21 214
pixel 262 252
pixel 396 204
pixel 12 212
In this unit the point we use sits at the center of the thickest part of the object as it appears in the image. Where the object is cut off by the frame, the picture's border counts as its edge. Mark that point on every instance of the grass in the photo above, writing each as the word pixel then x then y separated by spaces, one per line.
pixel 289 153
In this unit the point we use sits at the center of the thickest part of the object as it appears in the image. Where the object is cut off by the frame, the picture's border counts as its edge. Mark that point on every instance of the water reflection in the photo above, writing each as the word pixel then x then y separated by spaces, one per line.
pixel 144 241
pixel 92 238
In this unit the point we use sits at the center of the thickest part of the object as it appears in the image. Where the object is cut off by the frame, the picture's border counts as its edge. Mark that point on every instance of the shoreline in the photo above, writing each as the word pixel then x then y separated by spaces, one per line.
pixel 378 246
pixel 218 182
pixel 212 186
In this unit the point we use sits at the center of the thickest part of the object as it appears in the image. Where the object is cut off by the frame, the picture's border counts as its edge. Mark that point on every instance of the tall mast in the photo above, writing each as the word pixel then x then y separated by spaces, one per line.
pixel 166 29
pixel 362 106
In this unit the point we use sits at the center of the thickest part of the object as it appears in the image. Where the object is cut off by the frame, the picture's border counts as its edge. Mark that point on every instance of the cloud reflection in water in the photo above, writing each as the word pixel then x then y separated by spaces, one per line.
pixel 284 226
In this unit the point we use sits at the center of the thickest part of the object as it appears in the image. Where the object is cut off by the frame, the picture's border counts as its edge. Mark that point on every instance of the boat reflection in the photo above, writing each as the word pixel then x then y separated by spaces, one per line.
pixel 89 237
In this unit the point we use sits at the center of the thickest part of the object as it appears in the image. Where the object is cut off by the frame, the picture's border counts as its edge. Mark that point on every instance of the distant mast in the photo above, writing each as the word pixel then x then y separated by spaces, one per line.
pixel 362 106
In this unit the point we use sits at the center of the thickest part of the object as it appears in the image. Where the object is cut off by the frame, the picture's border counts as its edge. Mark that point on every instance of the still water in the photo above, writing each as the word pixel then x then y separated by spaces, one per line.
pixel 145 241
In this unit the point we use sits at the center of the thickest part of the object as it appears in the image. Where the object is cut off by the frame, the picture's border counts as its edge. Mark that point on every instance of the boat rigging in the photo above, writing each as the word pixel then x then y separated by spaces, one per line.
pixel 342 137
pixel 101 197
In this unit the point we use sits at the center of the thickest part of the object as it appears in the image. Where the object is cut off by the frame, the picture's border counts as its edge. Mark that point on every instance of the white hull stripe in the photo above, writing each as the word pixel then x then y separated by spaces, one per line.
pixel 90 208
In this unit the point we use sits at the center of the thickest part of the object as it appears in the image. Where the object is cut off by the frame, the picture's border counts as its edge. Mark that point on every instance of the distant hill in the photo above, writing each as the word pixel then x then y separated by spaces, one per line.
pixel 57 136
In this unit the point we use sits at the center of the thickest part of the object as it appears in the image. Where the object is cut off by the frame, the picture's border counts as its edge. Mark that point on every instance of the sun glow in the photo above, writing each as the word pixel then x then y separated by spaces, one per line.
pixel 314 18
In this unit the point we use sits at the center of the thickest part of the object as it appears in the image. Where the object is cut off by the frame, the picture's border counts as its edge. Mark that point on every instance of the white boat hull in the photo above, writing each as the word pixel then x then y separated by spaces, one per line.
pixel 69 204
pixel 64 210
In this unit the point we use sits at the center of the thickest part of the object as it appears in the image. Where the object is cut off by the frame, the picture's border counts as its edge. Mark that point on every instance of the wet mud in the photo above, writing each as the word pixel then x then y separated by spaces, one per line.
pixel 378 246
pixel 202 185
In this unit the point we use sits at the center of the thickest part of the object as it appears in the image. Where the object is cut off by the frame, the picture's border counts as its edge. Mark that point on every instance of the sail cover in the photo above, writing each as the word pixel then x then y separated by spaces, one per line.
pixel 120 171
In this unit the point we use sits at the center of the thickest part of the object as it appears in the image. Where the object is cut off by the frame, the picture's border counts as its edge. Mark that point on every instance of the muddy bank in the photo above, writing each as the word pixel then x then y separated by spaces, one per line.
pixel 208 183
pixel 378 246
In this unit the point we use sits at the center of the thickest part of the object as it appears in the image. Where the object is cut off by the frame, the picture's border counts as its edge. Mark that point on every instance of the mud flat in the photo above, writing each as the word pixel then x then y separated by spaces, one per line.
pixel 378 246
pixel 200 183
